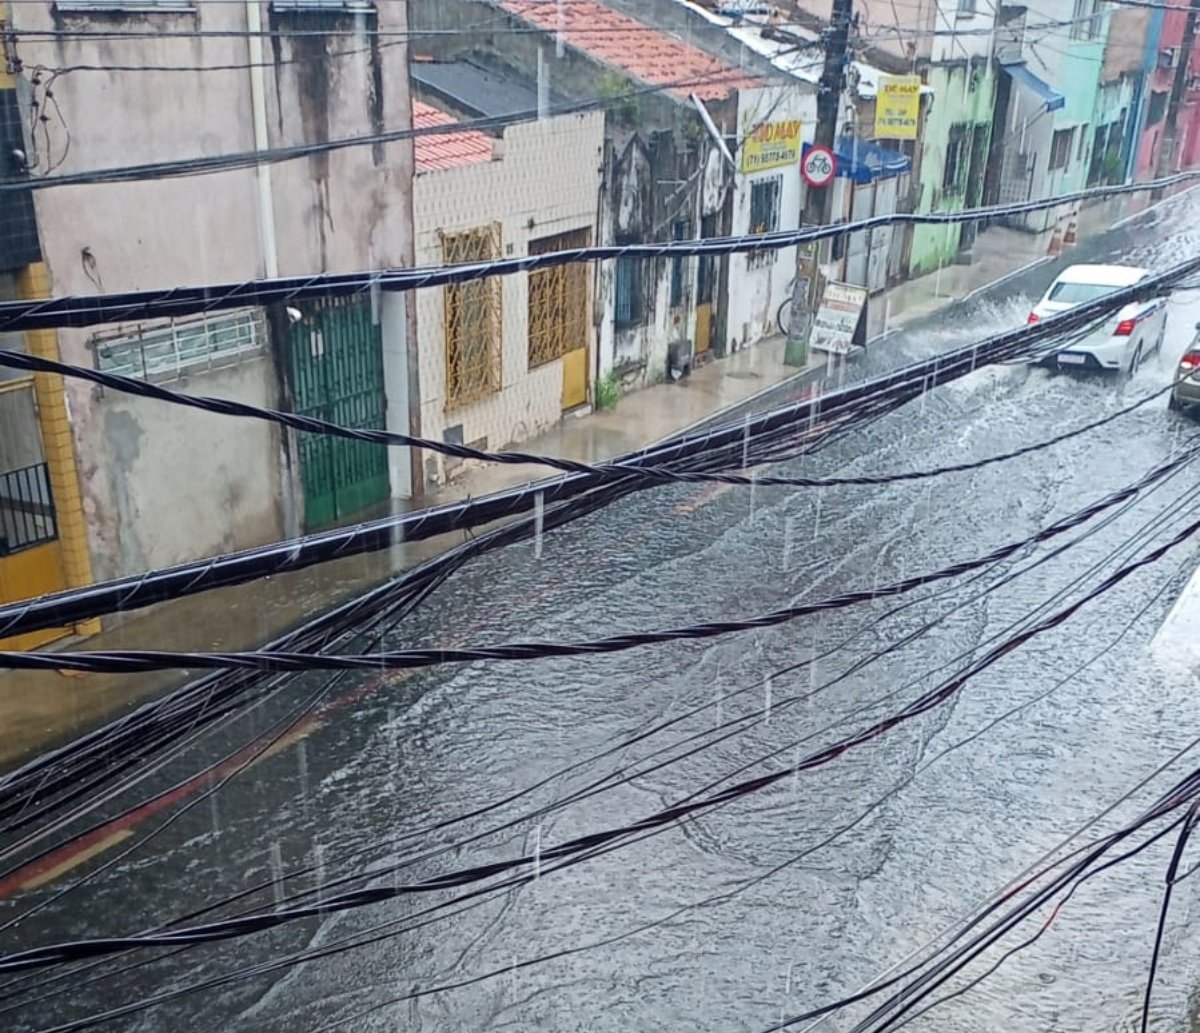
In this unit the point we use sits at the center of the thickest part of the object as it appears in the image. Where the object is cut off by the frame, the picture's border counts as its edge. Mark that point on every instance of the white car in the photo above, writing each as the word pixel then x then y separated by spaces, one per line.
pixel 1126 337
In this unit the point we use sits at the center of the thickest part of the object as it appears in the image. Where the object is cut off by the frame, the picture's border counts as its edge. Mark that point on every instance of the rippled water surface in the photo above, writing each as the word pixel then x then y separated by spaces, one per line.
pixel 800 893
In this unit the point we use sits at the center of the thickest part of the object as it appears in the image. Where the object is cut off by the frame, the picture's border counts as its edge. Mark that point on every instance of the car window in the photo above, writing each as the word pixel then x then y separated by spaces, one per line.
pixel 1078 293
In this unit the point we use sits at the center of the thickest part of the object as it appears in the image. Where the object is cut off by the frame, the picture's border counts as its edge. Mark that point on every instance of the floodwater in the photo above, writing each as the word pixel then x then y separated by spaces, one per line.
pixel 778 902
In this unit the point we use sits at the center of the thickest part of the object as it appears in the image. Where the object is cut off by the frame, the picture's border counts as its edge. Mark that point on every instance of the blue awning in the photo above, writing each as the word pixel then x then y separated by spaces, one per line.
pixel 1043 91
pixel 863 161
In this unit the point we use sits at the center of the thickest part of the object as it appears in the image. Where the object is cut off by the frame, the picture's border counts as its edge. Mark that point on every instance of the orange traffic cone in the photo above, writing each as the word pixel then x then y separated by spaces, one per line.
pixel 1069 237
pixel 1056 243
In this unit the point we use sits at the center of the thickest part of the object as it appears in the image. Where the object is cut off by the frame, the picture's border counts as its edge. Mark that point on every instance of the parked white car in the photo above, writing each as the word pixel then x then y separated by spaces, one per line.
pixel 1124 340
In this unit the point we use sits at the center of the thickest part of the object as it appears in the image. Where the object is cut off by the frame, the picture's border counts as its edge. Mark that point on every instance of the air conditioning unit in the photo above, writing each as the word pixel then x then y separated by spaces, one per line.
pixel 1168 58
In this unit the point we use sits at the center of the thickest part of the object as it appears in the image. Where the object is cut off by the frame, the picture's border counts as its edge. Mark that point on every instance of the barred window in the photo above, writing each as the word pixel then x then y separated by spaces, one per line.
pixel 473 325
pixel 629 303
pixel 764 216
pixel 558 301
pixel 678 265
pixel 180 347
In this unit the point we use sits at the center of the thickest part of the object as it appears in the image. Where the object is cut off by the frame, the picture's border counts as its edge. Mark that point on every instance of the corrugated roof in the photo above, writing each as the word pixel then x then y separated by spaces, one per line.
pixel 476 91
pixel 623 42
pixel 446 150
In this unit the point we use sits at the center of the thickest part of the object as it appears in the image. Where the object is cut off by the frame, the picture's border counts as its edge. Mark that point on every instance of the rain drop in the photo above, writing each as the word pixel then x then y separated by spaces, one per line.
pixel 537 852
pixel 302 762
pixel 539 510
pixel 789 533
pixel 767 699
pixel 277 873
pixel 319 865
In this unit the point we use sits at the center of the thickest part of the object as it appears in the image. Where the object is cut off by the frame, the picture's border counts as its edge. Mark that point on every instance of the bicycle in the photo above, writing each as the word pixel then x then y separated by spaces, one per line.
pixel 783 315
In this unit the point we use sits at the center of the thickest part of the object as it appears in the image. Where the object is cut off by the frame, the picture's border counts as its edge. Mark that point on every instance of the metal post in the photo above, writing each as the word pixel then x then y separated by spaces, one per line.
pixel 818 202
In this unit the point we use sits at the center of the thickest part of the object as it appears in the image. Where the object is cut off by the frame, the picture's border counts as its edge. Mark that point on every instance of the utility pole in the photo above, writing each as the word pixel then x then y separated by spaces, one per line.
pixel 818 201
pixel 1166 153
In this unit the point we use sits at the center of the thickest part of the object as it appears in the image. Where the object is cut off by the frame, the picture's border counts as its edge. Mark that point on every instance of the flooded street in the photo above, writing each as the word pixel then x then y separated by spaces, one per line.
pixel 776 903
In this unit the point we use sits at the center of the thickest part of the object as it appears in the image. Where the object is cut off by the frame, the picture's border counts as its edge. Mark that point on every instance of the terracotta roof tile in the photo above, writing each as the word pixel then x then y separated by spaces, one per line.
pixel 623 42
pixel 446 150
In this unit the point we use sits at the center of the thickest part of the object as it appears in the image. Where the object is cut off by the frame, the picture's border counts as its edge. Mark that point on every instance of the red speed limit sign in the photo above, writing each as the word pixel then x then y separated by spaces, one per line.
pixel 818 166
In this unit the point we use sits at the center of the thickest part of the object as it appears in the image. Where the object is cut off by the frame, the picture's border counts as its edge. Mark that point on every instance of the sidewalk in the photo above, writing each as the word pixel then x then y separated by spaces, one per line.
pixel 998 253
pixel 39 710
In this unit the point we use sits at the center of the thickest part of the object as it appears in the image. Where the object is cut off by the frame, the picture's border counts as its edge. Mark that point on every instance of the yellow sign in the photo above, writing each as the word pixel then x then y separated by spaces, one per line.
pixel 898 107
pixel 771 145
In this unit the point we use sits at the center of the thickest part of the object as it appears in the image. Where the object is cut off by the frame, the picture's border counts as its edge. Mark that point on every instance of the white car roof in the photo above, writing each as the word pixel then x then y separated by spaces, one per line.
pixel 1102 275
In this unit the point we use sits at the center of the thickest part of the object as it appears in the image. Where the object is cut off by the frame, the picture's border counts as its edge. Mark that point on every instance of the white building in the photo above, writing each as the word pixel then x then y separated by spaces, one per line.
pixel 501 359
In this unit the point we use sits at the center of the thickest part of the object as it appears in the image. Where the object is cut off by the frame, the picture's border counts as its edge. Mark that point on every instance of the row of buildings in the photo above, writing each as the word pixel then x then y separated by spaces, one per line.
pixel 467 131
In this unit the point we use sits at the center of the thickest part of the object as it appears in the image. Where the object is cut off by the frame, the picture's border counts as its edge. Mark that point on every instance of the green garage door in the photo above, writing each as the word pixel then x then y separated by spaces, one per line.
pixel 336 371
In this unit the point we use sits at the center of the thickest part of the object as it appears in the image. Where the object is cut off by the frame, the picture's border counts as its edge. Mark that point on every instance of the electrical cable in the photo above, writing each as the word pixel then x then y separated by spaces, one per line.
pixel 661 474
pixel 72 606
pixel 175 302
pixel 376 875
pixel 209 164
pixel 388 929
pixel 39 779
pixel 138 661
pixel 57 953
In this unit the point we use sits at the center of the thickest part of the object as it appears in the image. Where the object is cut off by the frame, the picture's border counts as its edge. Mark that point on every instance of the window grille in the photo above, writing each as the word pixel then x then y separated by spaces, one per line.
pixel 181 347
pixel 558 301
pixel 473 324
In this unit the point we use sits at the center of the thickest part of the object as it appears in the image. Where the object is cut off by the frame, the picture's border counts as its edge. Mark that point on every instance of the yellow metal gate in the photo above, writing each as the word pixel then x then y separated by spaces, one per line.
pixel 558 315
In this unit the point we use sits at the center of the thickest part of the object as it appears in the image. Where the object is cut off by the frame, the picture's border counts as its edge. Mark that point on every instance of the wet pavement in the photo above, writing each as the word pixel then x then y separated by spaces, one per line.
pixel 779 917
pixel 40 710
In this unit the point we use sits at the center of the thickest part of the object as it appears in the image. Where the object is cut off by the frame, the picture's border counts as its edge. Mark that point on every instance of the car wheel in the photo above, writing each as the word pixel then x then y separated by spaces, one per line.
pixel 1173 403
pixel 1137 359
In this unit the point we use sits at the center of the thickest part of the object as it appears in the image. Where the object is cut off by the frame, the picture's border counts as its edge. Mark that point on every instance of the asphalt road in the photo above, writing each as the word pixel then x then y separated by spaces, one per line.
pixel 796 895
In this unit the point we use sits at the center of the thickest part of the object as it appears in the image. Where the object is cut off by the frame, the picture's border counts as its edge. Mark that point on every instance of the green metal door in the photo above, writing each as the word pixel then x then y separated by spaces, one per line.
pixel 336 373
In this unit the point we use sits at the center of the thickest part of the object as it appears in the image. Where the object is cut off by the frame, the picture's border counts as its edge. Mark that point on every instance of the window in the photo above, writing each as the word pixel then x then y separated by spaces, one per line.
pixel 1060 149
pixel 967 7
pixel 323 5
pixel 706 273
pixel 958 158
pixel 558 298
pixel 764 216
pixel 472 319
pixel 1079 293
pixel 170 351
pixel 629 301
pixel 1158 108
pixel 1083 133
pixel 678 265
pixel 1085 20
pixel 126 5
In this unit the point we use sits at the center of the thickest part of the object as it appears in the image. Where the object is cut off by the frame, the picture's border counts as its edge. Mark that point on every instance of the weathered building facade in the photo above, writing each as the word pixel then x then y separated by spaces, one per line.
pixel 502 359
pixel 157 485
pixel 676 121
